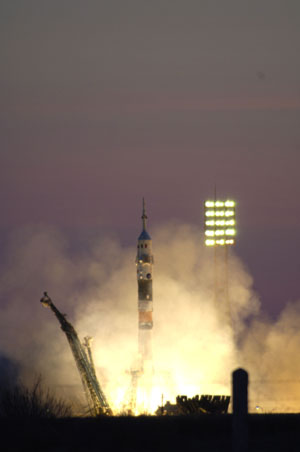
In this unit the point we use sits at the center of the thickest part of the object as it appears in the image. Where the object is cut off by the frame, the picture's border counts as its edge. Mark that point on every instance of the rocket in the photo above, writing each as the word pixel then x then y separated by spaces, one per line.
pixel 144 263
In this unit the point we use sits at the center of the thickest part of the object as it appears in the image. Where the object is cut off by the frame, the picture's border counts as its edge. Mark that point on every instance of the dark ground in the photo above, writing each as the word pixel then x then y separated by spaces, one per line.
pixel 202 433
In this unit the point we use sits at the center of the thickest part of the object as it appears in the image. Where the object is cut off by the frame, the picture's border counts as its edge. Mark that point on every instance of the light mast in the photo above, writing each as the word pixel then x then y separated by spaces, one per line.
pixel 144 262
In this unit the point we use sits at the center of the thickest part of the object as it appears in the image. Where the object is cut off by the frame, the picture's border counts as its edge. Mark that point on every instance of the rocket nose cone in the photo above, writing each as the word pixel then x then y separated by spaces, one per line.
pixel 144 235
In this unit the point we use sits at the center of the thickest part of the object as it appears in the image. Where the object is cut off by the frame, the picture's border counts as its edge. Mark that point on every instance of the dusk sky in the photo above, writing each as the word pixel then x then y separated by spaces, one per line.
pixel 104 102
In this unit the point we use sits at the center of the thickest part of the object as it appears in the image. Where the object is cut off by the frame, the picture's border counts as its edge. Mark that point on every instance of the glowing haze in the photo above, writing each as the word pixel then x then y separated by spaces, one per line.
pixel 105 102
pixel 195 351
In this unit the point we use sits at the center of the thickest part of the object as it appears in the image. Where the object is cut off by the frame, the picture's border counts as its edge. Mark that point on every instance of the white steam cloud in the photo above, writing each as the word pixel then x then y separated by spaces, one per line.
pixel 194 348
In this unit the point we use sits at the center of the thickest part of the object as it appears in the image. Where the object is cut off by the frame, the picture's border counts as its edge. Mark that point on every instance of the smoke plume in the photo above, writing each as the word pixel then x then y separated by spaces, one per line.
pixel 195 347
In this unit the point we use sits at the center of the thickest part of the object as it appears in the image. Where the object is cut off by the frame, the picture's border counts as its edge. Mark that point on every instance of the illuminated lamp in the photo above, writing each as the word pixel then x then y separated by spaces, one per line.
pixel 223 228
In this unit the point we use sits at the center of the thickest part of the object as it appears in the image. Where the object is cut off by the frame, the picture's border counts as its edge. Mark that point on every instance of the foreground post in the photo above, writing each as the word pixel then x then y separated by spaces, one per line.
pixel 240 410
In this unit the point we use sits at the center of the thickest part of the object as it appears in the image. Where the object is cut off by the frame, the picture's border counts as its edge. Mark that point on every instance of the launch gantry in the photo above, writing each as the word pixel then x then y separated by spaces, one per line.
pixel 84 361
pixel 129 405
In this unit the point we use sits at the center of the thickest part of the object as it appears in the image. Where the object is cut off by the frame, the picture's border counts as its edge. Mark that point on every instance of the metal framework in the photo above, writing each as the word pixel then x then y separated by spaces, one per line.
pixel 220 233
pixel 84 361
pixel 129 405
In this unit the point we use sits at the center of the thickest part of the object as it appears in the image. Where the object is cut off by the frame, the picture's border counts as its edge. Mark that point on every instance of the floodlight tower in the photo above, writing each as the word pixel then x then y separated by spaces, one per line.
pixel 220 232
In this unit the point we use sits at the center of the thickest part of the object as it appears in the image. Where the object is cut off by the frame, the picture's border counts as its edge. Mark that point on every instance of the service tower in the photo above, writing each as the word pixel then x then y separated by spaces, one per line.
pixel 144 262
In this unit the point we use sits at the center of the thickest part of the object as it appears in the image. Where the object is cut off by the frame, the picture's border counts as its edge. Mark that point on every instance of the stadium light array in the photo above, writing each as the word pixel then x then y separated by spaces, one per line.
pixel 220 223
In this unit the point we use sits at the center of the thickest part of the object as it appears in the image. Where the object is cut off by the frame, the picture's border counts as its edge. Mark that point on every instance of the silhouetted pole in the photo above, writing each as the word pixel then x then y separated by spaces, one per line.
pixel 240 410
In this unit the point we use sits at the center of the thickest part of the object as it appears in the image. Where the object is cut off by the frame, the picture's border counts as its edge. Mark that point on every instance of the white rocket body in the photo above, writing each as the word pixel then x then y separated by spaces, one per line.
pixel 144 263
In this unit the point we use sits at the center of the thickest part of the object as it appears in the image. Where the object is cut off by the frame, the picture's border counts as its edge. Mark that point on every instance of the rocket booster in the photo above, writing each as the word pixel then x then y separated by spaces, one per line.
pixel 144 263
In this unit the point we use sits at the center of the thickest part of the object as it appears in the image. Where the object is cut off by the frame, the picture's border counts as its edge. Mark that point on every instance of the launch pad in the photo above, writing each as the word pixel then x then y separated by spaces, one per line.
pixel 137 398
